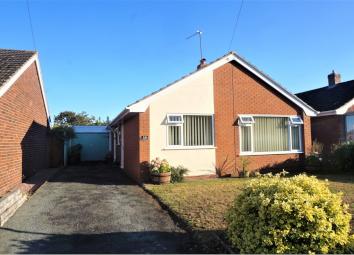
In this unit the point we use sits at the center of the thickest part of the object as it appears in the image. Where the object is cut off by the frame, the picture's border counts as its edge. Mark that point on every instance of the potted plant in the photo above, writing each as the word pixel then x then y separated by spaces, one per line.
pixel 160 171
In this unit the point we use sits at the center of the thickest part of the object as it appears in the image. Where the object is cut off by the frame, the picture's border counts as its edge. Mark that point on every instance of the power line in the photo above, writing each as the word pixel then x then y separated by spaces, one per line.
pixel 31 26
pixel 236 23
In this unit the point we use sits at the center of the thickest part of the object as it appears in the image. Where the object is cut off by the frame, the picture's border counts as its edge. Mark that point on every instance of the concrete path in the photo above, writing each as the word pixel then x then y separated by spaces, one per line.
pixel 91 209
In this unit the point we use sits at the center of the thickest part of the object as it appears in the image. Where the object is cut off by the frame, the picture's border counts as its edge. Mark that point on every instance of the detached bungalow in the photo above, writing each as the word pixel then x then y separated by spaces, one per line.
pixel 211 118
pixel 24 117
pixel 335 102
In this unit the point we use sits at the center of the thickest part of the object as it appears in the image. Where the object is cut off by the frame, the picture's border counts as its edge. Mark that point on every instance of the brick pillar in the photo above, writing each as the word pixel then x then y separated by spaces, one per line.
pixel 307 139
pixel 144 143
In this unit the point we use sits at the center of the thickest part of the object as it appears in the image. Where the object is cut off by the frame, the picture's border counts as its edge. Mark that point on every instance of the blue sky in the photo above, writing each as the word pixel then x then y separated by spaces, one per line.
pixel 98 56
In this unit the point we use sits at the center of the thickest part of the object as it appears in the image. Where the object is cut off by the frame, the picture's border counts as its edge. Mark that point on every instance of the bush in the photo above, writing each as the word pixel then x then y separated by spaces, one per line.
pixel 63 132
pixel 313 162
pixel 158 166
pixel 177 173
pixel 344 156
pixel 288 215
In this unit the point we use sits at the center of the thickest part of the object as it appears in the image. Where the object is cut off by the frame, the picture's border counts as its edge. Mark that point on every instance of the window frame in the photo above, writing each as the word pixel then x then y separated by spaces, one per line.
pixel 186 147
pixel 290 147
pixel 174 122
pixel 243 123
pixel 350 114
pixel 294 123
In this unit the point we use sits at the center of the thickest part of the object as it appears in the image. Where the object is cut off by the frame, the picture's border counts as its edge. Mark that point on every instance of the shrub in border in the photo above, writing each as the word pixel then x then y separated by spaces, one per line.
pixel 288 215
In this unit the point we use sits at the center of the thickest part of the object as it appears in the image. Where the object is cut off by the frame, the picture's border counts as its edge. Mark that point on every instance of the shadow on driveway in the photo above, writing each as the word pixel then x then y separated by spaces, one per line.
pixel 93 173
pixel 92 209
pixel 120 242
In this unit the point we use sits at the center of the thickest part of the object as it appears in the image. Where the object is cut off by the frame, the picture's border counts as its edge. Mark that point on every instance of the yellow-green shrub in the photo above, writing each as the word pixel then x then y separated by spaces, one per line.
pixel 288 215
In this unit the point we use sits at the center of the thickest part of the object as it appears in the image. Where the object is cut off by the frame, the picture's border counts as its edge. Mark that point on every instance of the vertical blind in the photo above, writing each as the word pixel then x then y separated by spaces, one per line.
pixel 197 130
pixel 295 137
pixel 246 138
pixel 270 134
pixel 174 135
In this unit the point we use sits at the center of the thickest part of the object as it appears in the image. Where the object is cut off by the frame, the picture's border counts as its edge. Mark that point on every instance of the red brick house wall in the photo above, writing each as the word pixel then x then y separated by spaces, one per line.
pixel 137 148
pixel 24 127
pixel 144 144
pixel 237 91
pixel 328 130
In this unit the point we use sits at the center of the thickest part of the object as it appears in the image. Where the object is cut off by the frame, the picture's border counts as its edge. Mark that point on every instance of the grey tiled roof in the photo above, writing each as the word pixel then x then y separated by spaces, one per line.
pixel 11 61
pixel 329 98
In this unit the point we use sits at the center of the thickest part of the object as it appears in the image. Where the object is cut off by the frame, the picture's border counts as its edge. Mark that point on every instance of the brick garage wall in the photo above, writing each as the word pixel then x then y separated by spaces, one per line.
pixel 328 130
pixel 237 91
pixel 24 145
pixel 137 150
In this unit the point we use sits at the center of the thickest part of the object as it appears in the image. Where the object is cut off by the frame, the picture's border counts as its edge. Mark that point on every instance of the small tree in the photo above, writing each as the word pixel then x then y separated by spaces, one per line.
pixel 69 118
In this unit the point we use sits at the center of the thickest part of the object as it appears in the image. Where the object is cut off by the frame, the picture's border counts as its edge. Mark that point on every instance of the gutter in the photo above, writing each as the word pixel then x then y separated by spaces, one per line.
pixel 120 116
pixel 328 113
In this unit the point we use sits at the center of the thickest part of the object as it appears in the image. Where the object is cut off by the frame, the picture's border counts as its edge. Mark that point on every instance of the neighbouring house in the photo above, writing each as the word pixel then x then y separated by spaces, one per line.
pixel 24 118
pixel 335 103
pixel 210 119
pixel 95 142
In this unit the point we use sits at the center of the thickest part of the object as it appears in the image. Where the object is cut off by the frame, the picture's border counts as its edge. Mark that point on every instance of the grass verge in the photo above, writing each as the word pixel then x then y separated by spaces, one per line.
pixel 202 204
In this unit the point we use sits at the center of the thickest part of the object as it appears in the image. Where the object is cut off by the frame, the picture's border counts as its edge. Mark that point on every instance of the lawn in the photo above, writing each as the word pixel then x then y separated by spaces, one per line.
pixel 203 203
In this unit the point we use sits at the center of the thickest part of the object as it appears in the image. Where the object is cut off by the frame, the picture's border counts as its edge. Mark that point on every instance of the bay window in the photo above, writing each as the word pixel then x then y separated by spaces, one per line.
pixel 270 134
pixel 189 130
pixel 349 123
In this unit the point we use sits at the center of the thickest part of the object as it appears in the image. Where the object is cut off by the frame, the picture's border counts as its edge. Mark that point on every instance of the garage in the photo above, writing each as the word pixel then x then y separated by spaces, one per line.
pixel 94 141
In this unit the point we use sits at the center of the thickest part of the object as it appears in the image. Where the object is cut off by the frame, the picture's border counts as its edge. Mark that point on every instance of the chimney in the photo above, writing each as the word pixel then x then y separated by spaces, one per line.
pixel 202 64
pixel 333 78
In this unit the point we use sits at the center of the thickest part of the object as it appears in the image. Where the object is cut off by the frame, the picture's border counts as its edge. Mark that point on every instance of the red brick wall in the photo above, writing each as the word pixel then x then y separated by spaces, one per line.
pixel 307 131
pixel 236 91
pixel 144 145
pixel 23 131
pixel 131 147
pixel 328 130
pixel 136 149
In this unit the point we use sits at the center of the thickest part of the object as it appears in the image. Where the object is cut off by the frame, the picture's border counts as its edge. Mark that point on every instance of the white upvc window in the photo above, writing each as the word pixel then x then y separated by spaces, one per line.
pixel 174 119
pixel 295 120
pixel 270 135
pixel 190 131
pixel 245 120
pixel 349 127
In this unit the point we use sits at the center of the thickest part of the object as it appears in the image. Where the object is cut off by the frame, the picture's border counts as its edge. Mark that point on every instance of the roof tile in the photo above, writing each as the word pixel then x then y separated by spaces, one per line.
pixel 330 97
pixel 11 61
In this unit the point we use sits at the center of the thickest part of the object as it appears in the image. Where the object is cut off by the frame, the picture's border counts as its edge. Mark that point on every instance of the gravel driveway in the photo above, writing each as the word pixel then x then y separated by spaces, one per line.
pixel 91 209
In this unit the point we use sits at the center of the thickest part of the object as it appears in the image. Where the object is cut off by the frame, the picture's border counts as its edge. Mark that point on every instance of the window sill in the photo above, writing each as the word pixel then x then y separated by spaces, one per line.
pixel 190 148
pixel 269 153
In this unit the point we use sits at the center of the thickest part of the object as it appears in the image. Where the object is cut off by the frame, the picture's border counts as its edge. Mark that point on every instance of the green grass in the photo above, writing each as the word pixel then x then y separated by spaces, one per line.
pixel 345 184
pixel 203 203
